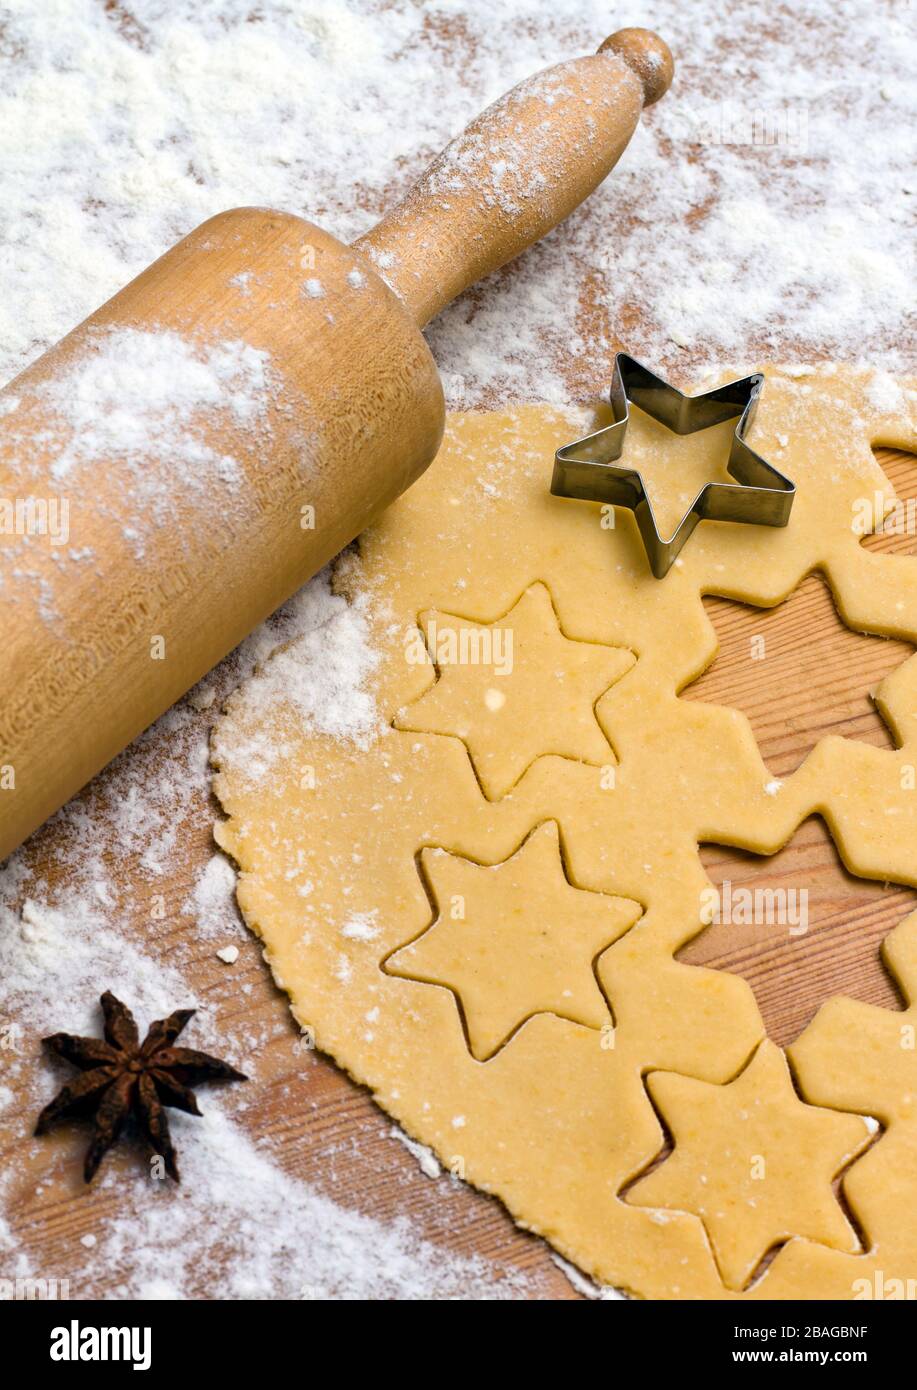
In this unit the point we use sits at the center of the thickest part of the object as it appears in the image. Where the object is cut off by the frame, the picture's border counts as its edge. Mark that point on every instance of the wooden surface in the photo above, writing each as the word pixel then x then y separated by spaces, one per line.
pixel 325 1129
pixel 817 679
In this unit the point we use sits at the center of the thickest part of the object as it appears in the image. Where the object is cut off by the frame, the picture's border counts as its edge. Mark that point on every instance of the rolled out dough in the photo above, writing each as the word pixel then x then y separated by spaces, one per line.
pixel 517 843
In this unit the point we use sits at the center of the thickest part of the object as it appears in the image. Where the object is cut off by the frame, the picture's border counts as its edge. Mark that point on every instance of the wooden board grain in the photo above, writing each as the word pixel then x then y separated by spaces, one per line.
pixel 324 1129
pixel 816 678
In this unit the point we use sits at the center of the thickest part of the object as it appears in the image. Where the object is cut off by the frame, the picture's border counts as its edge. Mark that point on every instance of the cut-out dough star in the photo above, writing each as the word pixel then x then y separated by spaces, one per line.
pixel 753 1161
pixel 523 701
pixel 856 1056
pixel 514 939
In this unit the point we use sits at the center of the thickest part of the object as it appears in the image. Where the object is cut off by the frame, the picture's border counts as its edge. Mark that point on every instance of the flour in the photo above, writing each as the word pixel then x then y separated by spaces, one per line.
pixel 320 680
pixel 140 405
pixel 885 394
pixel 764 205
pixel 427 1161
pixel 361 926
pixel 211 903
pixel 586 1287
pixel 137 394
pixel 142 400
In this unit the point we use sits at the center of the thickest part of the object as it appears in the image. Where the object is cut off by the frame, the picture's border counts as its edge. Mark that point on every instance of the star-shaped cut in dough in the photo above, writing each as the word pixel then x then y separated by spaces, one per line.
pixel 753 1161
pixel 515 690
pixel 514 939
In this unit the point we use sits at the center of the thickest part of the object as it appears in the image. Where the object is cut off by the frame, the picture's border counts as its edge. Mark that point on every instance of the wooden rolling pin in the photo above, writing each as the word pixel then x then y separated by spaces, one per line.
pixel 179 464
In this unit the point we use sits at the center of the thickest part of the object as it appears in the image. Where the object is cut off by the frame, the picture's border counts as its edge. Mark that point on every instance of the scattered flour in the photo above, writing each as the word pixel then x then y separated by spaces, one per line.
pixel 764 205
pixel 361 926
pixel 141 401
pixel 320 679
pixel 584 1285
pixel 58 959
pixel 139 404
pixel 137 394
pixel 212 899
pixel 884 393
pixel 430 1165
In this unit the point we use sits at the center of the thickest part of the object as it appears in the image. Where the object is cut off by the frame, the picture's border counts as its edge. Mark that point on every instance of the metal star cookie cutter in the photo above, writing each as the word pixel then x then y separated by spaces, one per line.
pixel 586 469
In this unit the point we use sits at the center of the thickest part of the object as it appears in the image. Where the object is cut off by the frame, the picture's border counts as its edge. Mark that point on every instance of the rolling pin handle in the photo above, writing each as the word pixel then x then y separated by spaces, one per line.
pixel 648 55
pixel 517 171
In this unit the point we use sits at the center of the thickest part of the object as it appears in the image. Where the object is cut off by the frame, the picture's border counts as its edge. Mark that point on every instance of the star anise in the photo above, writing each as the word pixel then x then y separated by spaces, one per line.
pixel 122 1074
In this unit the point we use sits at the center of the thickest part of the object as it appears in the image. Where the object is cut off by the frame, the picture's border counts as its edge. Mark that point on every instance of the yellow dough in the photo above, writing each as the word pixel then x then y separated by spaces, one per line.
pixel 554 931
pixel 476 907
pixel 726 1140
pixel 505 718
